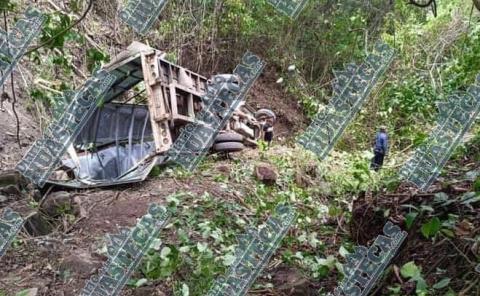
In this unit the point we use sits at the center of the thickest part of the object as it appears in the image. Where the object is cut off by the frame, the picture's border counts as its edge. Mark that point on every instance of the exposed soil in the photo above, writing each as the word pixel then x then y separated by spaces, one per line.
pixel 60 263
pixel 10 151
pixel 266 93
pixel 452 257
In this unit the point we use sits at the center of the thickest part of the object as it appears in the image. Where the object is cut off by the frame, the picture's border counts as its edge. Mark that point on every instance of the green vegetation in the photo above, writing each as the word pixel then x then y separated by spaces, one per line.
pixel 341 203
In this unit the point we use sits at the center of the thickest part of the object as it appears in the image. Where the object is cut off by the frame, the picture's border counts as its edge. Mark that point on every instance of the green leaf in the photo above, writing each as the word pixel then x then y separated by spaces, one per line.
pixel 156 244
pixel 202 247
pixel 184 249
pixel 329 261
pixel 229 259
pixel 140 282
pixel 343 252
pixel 185 290
pixel 476 185
pixel 165 252
pixel 95 58
pixel 441 197
pixel 410 270
pixel 409 218
pixel 421 286
pixel 471 199
pixel 431 228
pixel 426 208
pixel 395 289
pixel 442 284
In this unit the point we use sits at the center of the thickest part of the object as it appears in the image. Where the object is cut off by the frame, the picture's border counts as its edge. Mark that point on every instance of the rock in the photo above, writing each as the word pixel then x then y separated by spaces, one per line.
pixel 34 192
pixel 224 169
pixel 57 203
pixel 60 176
pixel 78 210
pixel 10 190
pixel 302 180
pixel 291 280
pixel 37 225
pixel 79 263
pixel 3 198
pixel 10 177
pixel 266 173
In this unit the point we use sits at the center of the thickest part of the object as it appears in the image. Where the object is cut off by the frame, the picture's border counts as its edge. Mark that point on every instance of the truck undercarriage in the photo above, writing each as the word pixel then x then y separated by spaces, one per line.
pixel 142 115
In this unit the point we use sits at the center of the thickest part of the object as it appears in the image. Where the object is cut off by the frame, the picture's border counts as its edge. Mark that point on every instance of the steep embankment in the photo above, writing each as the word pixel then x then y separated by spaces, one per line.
pixel 213 206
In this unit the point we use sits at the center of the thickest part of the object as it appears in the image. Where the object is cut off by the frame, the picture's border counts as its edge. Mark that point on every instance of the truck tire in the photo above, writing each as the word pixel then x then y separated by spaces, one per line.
pixel 265 113
pixel 229 137
pixel 228 147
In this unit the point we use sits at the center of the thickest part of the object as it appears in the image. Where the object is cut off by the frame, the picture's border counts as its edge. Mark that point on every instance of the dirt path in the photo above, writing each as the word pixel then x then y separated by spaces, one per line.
pixel 61 262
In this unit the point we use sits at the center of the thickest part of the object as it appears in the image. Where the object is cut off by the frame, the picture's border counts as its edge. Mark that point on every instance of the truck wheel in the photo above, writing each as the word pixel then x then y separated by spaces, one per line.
pixel 262 113
pixel 228 137
pixel 228 147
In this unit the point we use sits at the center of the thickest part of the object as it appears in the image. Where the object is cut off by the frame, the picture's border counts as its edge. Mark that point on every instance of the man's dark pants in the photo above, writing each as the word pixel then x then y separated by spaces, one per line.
pixel 377 160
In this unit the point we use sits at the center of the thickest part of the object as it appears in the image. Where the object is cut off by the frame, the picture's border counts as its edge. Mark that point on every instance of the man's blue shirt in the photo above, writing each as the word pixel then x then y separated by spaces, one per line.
pixel 381 142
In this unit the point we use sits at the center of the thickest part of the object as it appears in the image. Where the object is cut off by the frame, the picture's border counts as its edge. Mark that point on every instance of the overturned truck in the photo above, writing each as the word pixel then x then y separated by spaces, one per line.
pixel 142 115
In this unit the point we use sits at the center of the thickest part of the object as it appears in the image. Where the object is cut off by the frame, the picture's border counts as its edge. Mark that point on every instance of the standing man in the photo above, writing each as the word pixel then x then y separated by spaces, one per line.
pixel 380 148
pixel 268 129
